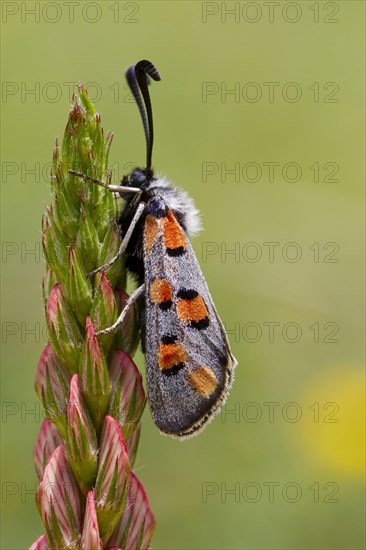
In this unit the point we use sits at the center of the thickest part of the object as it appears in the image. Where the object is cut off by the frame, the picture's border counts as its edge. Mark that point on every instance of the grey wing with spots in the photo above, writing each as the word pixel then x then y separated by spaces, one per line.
pixel 189 364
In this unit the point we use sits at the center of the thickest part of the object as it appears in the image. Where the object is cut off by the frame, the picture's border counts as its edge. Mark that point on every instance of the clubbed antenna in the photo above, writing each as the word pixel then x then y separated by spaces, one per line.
pixel 137 77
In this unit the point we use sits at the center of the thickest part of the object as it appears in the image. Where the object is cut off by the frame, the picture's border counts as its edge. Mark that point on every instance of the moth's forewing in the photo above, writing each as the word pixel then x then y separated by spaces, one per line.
pixel 188 359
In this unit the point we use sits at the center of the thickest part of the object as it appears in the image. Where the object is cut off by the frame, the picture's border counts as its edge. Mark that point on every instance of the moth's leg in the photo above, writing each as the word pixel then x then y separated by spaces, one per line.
pixel 125 240
pixel 112 188
pixel 140 290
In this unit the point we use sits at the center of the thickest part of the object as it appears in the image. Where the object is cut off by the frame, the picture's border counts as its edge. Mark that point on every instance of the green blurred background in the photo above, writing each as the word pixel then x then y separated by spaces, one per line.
pixel 282 466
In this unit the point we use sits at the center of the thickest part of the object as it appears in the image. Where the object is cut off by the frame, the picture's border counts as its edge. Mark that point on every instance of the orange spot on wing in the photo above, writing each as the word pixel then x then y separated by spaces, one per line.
pixel 160 291
pixel 151 232
pixel 192 310
pixel 203 381
pixel 173 233
pixel 171 355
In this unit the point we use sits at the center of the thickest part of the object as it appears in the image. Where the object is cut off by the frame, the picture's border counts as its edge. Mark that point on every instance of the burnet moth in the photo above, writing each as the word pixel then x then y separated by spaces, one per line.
pixel 189 365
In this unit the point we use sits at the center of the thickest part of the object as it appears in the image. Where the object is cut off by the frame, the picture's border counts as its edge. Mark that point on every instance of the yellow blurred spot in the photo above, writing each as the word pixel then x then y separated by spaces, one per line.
pixel 334 426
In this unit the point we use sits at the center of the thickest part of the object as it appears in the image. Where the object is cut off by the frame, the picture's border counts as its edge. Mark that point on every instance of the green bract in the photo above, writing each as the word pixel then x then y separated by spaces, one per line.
pixel 90 388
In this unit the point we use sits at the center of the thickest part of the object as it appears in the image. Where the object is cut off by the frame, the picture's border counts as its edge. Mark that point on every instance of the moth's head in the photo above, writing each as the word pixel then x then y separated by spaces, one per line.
pixel 139 177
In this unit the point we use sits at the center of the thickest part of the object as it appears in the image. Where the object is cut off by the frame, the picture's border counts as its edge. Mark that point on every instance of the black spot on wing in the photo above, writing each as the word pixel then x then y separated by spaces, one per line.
pixel 164 306
pixel 201 324
pixel 179 251
pixel 174 370
pixel 169 339
pixel 187 294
